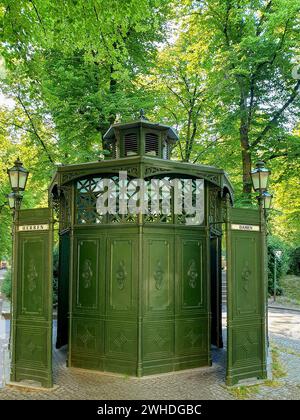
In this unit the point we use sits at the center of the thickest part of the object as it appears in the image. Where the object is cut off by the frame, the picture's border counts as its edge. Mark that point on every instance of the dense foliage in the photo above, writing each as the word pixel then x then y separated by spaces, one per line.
pixel 6 285
pixel 282 265
pixel 225 73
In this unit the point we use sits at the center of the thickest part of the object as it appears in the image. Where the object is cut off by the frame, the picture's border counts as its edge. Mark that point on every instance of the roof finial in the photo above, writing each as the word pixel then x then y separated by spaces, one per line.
pixel 142 115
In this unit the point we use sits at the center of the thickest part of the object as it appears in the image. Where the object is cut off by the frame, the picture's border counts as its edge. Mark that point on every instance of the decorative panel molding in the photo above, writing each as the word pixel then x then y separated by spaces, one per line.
pixel 246 346
pixel 158 340
pixel 87 337
pixel 191 337
pixel 87 274
pixel 31 349
pixel 191 284
pixel 121 340
pixel 32 269
pixel 245 297
pixel 159 276
pixel 122 275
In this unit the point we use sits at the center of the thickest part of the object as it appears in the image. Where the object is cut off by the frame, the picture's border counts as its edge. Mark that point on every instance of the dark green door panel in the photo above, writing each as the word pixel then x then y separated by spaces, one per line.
pixel 86 274
pixel 33 257
pixel 32 298
pixel 246 282
pixel 122 275
pixel 158 279
pixel 247 297
pixel 63 290
pixel 192 274
pixel 175 328
pixel 104 290
pixel 216 291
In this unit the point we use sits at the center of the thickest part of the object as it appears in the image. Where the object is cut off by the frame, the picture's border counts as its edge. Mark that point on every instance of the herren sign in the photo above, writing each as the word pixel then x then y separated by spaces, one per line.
pixel 33 227
pixel 32 298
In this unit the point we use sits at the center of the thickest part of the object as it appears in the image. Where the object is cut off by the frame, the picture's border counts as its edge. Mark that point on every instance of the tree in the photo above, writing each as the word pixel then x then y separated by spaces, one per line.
pixel 251 46
pixel 75 64
pixel 181 98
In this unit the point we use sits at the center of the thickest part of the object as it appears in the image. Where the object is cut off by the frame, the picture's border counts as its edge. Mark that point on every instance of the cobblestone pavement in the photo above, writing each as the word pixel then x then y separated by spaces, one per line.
pixel 203 383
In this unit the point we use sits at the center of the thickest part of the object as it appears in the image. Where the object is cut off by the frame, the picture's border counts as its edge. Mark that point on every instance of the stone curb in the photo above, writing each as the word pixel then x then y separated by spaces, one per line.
pixel 285 308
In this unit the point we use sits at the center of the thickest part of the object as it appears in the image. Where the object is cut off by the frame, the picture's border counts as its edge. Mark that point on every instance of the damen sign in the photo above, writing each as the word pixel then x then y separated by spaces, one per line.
pixel 254 228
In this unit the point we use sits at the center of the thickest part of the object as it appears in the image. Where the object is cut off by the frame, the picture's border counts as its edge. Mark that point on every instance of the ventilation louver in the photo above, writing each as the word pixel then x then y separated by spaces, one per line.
pixel 130 144
pixel 151 144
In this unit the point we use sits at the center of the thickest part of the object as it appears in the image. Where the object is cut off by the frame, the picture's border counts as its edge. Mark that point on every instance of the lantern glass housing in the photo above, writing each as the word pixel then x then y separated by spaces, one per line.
pixel 18 176
pixel 267 197
pixel 12 200
pixel 260 177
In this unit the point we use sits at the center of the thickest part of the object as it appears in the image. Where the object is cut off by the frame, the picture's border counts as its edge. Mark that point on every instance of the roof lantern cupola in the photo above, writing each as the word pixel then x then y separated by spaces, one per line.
pixel 140 138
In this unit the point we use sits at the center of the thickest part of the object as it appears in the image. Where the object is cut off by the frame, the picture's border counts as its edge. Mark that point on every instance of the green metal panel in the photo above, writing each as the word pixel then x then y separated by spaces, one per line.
pixel 32 298
pixel 139 324
pixel 175 327
pixel 103 320
pixel 87 300
pixel 246 325
pixel 121 339
pixel 158 306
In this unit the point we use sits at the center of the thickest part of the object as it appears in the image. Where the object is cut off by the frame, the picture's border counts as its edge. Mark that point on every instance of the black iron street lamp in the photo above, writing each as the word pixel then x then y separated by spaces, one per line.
pixel 18 176
pixel 260 179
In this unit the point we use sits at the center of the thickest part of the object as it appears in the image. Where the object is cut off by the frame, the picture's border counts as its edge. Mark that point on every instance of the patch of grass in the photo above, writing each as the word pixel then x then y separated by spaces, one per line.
pixel 272 384
pixel 277 367
pixel 243 392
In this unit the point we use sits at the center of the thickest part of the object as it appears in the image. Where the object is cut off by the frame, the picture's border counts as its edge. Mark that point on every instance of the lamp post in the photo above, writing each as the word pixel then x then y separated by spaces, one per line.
pixel 260 179
pixel 18 176
pixel 277 255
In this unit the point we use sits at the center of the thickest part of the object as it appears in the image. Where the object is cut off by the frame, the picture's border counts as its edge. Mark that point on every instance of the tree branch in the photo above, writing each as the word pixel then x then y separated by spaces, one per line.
pixel 38 15
pixel 213 143
pixel 276 116
pixel 261 21
pixel 178 97
pixel 34 129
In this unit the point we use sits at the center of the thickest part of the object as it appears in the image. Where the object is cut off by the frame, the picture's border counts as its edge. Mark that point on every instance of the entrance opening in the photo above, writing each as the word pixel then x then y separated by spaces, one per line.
pixel 216 290
pixel 63 289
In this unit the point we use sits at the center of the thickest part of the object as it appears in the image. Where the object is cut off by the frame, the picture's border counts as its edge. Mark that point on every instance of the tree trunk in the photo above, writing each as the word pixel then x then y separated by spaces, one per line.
pixel 246 159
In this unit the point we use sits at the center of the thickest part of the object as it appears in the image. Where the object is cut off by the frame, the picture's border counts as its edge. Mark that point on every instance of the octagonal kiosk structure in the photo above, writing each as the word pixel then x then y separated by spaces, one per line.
pixel 139 291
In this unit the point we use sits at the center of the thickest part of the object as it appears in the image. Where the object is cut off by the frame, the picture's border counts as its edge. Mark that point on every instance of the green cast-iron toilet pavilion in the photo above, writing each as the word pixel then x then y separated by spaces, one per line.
pixel 140 294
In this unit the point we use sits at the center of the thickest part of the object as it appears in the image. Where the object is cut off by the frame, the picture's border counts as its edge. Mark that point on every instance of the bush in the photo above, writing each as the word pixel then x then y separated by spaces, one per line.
pixel 6 284
pixel 282 263
pixel 294 267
